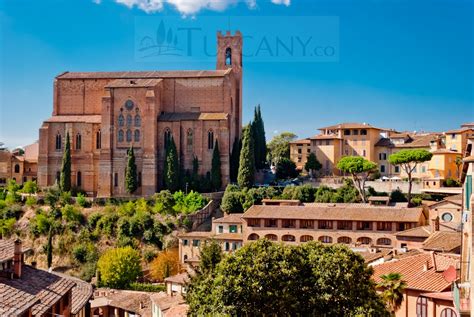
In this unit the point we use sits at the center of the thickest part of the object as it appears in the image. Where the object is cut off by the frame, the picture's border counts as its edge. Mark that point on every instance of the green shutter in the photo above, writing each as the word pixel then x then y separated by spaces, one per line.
pixel 468 191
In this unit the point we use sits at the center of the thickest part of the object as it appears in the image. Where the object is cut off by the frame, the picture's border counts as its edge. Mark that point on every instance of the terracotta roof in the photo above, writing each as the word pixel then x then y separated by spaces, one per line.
pixel 40 287
pixel 364 212
pixel 178 311
pixel 384 142
pixel 81 293
pixel 230 218
pixel 457 199
pixel 79 118
pixel 468 125
pixel 210 235
pixel 349 125
pixel 443 241
pixel 419 141
pixel 445 151
pixel 456 131
pixel 31 152
pixel 196 234
pixel 325 137
pixel 134 83
pixel 181 278
pixel 373 256
pixel 131 301
pixel 228 236
pixel 7 248
pixel 304 141
pixel 440 295
pixel 166 302
pixel 144 74
pixel 468 159
pixel 400 135
pixel 412 270
pixel 418 232
pixel 191 116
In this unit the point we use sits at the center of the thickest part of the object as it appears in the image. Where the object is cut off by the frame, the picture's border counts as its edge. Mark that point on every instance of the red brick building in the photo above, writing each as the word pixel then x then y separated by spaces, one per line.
pixel 105 113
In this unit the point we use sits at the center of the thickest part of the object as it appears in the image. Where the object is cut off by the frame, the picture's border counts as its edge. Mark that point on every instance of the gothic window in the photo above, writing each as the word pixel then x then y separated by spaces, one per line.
pixel 129 120
pixel 129 135
pixel 121 120
pixel 228 56
pixel 138 120
pixel 58 141
pixel 189 139
pixel 210 139
pixel 98 140
pixel 129 105
pixel 120 136
pixel 167 136
pixel 78 141
pixel 136 135
pixel 79 179
pixel 17 168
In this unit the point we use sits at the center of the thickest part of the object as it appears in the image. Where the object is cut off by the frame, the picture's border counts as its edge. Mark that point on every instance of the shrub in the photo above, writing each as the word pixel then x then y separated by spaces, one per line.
pixel 164 203
pixel 397 196
pixel 119 267
pixel 65 198
pixel 189 203
pixel 451 182
pixel 72 214
pixel 30 201
pixel 7 227
pixel 30 187
pixel 145 287
pixel 93 220
pixel 81 200
pixel 52 196
pixel 232 202
pixel 79 253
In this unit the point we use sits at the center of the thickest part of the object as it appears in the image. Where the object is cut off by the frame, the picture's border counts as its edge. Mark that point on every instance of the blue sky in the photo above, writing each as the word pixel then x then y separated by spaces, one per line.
pixel 397 63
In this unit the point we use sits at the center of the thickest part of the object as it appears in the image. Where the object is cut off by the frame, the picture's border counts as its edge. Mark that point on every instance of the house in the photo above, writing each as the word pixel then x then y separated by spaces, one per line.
pixel 20 165
pixel 171 303
pixel 113 303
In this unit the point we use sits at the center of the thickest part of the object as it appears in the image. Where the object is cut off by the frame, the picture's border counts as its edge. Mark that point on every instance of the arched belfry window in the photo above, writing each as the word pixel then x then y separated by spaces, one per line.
pixel 136 135
pixel 138 120
pixel 78 141
pixel 58 141
pixel 120 136
pixel 228 56
pixel 210 139
pixel 189 139
pixel 129 135
pixel 167 136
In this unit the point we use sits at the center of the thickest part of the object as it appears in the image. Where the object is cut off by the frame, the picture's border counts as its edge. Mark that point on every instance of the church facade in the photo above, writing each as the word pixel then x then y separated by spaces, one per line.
pixel 106 113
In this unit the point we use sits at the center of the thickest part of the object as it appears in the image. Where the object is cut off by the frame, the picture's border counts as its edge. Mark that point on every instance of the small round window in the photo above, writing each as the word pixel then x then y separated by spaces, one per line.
pixel 447 217
pixel 129 105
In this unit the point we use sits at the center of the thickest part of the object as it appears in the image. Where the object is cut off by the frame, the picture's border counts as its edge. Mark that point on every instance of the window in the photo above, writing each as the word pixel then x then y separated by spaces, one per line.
pixel 423 169
pixel 227 246
pixel 58 176
pixel 299 151
pixel 220 229
pixel 121 120
pixel 308 151
pixel 228 56
pixel 306 238
pixel 288 223
pixel 306 224
pixel 189 139
pixel 347 132
pixel 210 139
pixel 453 136
pixel 58 141
pixel 382 168
pixel 364 225
pixel 136 135
pixel 397 169
pixel 325 239
pixel 79 179
pixel 78 141
pixel 17 168
pixel 384 226
pixel 382 156
pixel 185 241
pixel 196 243
pixel 271 237
pixel 344 240
pixel 129 120
pixel 138 120
pixel 129 135
pixel 447 217
pixel 384 241
pixel 253 236
pixel 364 153
pixel 324 224
pixel 299 159
pixel 363 132
pixel 253 222
pixel 328 142
pixel 167 137
pixel 288 237
pixel 448 312
pixel 129 104
pixel 120 136
pixel 422 307
pixel 233 228
pixel 364 240
pixel 271 223
pixel 355 132
pixel 98 140
pixel 344 225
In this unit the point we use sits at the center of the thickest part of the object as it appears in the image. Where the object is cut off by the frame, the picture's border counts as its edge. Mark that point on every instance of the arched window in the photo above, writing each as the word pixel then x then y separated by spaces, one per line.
pixel 271 237
pixel 98 140
pixel 78 141
pixel 325 239
pixel 79 179
pixel 17 168
pixel 421 307
pixel 167 136
pixel 344 240
pixel 253 236
pixel 139 179
pixel 228 56
pixel 58 141
pixel 364 240
pixel 120 136
pixel 384 241
pixel 210 139
pixel 129 135
pixel 306 238
pixel 448 312
pixel 121 120
pixel 136 135
pixel 288 237
pixel 138 120
pixel 189 139
pixel 129 120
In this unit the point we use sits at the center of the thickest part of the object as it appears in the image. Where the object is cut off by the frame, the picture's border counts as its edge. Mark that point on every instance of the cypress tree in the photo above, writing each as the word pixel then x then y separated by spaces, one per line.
pixel 171 170
pixel 131 173
pixel 262 139
pixel 65 177
pixel 256 139
pixel 246 175
pixel 216 175
pixel 234 160
pixel 49 248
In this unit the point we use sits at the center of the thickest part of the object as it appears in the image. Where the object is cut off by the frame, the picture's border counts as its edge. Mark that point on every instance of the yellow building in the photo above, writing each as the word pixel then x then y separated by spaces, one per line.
pixel 456 140
pixel 299 151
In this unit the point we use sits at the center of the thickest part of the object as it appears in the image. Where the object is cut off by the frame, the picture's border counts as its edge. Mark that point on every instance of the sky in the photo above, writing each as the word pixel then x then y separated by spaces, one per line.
pixel 399 64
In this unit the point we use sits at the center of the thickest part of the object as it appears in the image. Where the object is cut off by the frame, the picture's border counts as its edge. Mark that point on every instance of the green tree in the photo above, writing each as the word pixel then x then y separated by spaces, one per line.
pixel 131 182
pixel 360 169
pixel 258 130
pixel 409 160
pixel 393 289
pixel 49 248
pixel 216 175
pixel 312 164
pixel 171 170
pixel 30 187
pixel 246 175
pixel 119 267
pixel 210 255
pixel 65 176
pixel 268 279
pixel 232 200
pixel 279 147
pixel 234 159
pixel 286 168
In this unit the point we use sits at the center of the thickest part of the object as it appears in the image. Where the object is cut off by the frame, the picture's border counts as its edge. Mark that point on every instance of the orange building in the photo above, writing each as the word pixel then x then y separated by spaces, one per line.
pixel 21 165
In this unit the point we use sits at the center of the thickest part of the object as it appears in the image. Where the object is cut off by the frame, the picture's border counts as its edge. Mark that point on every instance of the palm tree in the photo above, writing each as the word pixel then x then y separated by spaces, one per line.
pixel 393 288
pixel 458 162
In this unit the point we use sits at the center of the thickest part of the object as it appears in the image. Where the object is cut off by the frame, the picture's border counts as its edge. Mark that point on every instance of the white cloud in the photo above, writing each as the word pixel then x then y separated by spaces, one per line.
pixel 284 2
pixel 189 7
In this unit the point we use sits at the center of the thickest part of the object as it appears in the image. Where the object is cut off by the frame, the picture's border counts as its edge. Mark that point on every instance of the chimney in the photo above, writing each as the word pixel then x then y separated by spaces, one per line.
pixel 433 259
pixel 436 224
pixel 426 266
pixel 17 258
pixel 141 305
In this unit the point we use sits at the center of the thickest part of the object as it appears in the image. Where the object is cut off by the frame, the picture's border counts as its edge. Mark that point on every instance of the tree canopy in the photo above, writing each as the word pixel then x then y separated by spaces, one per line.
pixel 119 267
pixel 65 176
pixel 216 175
pixel 268 279
pixel 171 168
pixel 234 160
pixel 258 131
pixel 312 164
pixel 246 175
pixel 393 287
pixel 286 168
pixel 359 168
pixel 165 264
pixel 279 146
